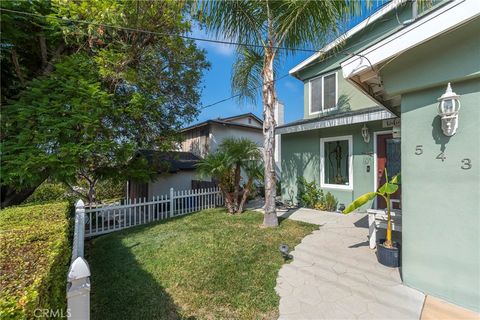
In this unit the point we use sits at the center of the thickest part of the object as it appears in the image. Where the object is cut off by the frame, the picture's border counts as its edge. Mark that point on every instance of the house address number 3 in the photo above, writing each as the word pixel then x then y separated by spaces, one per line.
pixel 466 163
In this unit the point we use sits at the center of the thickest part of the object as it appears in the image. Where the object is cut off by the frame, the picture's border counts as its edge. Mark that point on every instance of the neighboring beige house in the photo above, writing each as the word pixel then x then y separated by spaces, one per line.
pixel 205 137
pixel 177 168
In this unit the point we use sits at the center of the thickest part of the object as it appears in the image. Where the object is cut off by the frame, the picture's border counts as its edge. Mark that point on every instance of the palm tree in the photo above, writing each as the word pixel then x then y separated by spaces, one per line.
pixel 273 28
pixel 218 166
pixel 240 152
pixel 254 171
pixel 225 166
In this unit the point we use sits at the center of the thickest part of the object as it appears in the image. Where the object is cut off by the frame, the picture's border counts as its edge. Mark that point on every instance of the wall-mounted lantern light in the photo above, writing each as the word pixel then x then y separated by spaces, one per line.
pixel 365 134
pixel 448 107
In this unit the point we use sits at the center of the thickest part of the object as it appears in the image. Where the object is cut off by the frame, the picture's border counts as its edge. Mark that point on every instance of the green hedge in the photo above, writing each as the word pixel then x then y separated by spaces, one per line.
pixel 34 257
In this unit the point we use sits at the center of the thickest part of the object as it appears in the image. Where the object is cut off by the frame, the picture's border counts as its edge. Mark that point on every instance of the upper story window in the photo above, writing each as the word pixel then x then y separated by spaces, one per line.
pixel 323 93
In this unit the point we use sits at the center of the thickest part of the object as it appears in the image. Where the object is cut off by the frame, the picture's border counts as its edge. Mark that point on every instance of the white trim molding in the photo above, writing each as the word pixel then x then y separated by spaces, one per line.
pixel 334 122
pixel 430 26
pixel 359 27
pixel 324 185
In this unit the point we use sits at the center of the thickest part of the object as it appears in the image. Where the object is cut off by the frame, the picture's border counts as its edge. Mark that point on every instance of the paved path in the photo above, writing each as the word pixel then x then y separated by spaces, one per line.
pixel 334 274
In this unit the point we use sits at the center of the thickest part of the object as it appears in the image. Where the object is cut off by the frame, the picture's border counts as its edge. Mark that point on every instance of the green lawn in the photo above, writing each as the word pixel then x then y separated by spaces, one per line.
pixel 208 265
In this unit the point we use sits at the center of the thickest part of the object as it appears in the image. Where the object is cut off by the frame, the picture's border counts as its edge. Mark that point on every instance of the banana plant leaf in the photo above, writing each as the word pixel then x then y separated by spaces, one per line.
pixel 397 179
pixel 388 188
pixel 360 201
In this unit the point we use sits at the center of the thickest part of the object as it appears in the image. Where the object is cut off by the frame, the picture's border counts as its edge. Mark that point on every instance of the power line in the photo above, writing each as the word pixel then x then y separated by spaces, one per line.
pixel 238 95
pixel 128 29
pixel 202 39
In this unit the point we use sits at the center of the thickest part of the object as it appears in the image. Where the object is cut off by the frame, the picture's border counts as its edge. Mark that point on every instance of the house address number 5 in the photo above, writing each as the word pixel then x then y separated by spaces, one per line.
pixel 419 149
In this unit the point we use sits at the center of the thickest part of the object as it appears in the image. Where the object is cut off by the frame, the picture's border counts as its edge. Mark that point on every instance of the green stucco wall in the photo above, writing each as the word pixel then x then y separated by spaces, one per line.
pixel 301 158
pixel 349 98
pixel 441 201
pixel 450 57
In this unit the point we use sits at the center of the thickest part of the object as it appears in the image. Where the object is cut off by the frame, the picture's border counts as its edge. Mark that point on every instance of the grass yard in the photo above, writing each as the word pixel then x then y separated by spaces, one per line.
pixel 208 265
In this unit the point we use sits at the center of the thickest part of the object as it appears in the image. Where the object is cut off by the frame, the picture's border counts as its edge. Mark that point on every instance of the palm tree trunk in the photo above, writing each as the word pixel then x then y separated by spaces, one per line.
pixel 227 198
pixel 268 91
pixel 237 186
pixel 246 192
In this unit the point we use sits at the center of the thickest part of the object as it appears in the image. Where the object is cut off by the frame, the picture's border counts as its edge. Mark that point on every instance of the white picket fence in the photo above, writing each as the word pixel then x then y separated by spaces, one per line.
pixel 78 277
pixel 95 220
pixel 101 219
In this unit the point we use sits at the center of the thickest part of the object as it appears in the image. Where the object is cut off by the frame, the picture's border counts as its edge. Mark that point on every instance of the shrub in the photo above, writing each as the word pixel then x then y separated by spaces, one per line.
pixel 310 196
pixel 308 193
pixel 34 259
pixel 55 191
pixel 327 203
pixel 48 192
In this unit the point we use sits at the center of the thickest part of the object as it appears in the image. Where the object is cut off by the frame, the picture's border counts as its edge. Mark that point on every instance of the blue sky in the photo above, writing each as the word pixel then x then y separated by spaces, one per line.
pixel 216 81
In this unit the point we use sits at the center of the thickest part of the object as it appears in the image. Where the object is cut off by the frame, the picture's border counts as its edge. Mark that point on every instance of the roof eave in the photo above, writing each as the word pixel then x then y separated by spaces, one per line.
pixel 359 27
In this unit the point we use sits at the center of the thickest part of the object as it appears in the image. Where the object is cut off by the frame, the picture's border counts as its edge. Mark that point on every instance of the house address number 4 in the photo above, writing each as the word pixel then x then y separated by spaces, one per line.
pixel 466 163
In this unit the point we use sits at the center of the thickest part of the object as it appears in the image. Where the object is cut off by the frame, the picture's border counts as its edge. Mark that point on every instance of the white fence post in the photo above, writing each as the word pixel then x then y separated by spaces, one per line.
pixel 78 287
pixel 78 293
pixel 79 232
pixel 172 203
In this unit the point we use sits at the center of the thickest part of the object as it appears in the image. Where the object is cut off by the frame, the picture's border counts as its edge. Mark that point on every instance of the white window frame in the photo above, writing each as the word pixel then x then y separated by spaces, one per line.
pixel 350 163
pixel 323 94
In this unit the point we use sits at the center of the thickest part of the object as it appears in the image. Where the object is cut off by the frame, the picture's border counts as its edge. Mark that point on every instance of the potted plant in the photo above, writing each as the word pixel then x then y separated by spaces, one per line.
pixel 388 251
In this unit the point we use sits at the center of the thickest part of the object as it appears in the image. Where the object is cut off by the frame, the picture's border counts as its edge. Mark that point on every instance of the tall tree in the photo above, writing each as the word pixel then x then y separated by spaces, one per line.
pixel 269 26
pixel 117 78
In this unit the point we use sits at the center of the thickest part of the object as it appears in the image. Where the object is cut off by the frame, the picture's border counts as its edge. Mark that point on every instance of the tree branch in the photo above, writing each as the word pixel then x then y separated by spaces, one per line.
pixel 43 50
pixel 75 191
pixel 49 67
pixel 16 64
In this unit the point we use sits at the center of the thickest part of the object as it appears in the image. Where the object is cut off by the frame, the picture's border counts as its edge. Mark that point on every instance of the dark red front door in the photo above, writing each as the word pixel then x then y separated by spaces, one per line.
pixel 388 156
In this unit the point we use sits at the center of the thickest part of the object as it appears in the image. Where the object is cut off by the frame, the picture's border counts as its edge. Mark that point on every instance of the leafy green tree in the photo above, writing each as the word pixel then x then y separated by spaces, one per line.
pixel 103 93
pixel 269 25
pixel 226 165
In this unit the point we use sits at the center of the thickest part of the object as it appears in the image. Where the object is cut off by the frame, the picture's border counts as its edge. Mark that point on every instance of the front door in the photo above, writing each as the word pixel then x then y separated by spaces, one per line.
pixel 389 157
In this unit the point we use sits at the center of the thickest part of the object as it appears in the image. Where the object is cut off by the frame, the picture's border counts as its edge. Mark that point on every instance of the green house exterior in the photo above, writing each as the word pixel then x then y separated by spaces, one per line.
pixel 389 73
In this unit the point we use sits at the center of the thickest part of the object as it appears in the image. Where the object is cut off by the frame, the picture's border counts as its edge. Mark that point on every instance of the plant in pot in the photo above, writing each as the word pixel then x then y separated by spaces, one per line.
pixel 388 251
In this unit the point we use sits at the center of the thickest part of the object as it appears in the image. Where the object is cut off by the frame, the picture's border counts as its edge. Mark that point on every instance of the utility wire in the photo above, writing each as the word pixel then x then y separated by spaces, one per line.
pixel 201 39
pixel 128 29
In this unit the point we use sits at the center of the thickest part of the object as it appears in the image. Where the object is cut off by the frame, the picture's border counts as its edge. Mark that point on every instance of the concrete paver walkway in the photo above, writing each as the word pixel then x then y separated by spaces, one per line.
pixel 335 275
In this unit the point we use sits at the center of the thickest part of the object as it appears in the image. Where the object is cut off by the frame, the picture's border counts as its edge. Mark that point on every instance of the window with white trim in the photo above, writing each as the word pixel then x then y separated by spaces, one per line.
pixel 323 93
pixel 336 162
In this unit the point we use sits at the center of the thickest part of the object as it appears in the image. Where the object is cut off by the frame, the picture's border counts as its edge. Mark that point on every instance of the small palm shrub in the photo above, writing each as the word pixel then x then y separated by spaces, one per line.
pixel 226 165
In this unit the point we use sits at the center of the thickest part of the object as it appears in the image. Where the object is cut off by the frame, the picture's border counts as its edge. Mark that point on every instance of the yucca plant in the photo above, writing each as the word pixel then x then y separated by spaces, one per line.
pixel 385 191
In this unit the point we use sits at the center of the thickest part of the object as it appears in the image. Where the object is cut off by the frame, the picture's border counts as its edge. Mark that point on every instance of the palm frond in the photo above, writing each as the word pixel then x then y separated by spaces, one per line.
pixel 247 73
pixel 309 22
pixel 238 20
pixel 240 150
